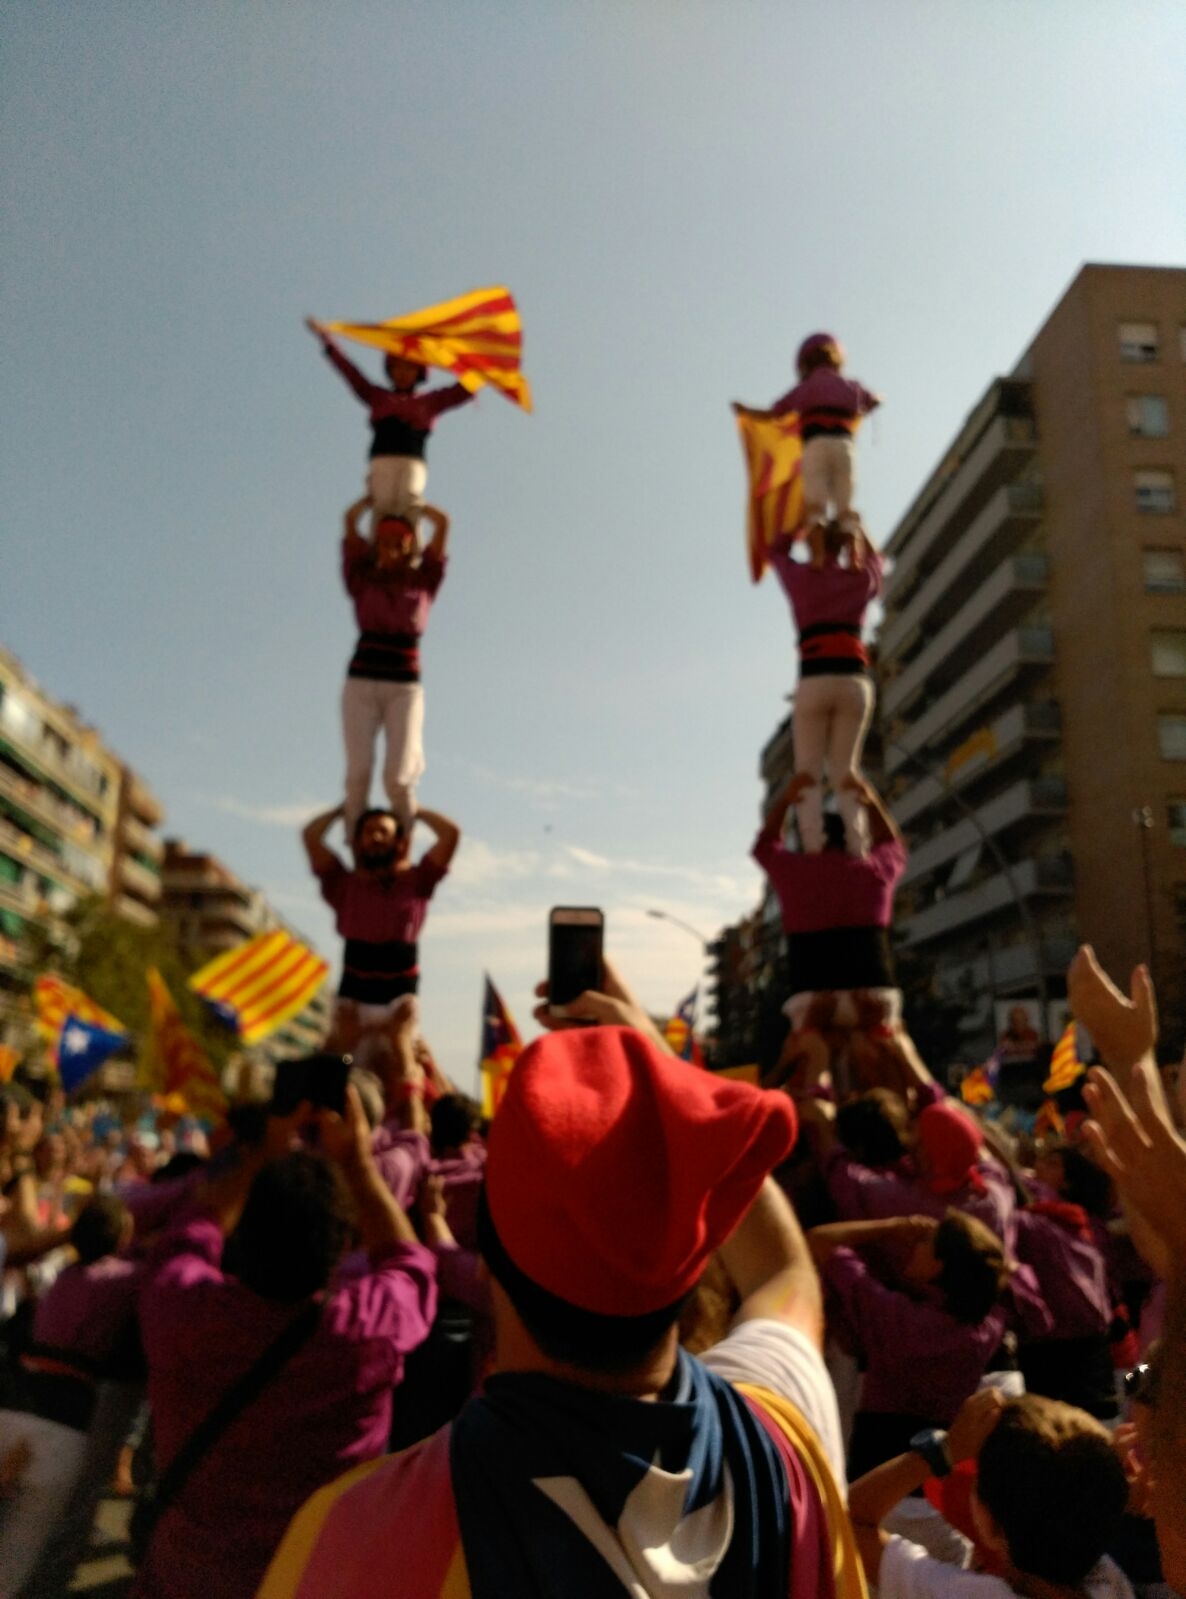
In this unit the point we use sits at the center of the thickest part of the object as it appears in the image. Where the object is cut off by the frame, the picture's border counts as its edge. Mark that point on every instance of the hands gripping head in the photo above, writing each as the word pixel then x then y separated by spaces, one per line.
pixel 379 840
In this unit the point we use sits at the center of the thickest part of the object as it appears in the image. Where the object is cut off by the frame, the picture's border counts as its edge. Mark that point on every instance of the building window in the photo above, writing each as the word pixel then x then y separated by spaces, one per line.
pixel 1168 649
pixel 1148 416
pixel 1138 341
pixel 1171 735
pixel 1175 817
pixel 1165 571
pixel 1154 490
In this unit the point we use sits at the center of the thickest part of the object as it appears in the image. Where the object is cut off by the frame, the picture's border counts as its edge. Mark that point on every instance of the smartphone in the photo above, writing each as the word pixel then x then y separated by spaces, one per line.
pixel 320 1079
pixel 576 936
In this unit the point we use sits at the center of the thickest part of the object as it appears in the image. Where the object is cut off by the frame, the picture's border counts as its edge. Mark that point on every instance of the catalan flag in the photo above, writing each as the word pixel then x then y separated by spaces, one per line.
pixel 1065 1065
pixel 773 456
pixel 976 1088
pixel 55 1000
pixel 501 1048
pixel 478 337
pixel 680 1030
pixel 262 983
pixel 9 1060
pixel 182 1066
pixel 1049 1121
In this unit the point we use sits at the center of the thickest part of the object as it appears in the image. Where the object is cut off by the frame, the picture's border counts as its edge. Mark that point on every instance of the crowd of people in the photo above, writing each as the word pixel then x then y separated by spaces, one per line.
pixel 652 1330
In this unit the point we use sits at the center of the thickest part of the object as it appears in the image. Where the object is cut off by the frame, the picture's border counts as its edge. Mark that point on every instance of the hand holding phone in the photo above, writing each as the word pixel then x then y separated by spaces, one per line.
pixel 576 937
pixel 319 1080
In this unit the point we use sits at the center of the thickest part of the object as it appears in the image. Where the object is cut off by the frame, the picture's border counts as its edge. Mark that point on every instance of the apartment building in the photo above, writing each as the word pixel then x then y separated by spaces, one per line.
pixel 1032 662
pixel 74 822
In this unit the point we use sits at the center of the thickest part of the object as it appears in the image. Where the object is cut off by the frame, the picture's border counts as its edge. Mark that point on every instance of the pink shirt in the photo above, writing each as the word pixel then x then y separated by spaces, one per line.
pixel 833 888
pixel 402 1156
pixel 380 909
pixel 1071 1271
pixel 327 1410
pixel 382 605
pixel 461 1177
pixel 90 1311
pixel 826 399
pixel 866 1193
pixel 919 1359
pixel 833 593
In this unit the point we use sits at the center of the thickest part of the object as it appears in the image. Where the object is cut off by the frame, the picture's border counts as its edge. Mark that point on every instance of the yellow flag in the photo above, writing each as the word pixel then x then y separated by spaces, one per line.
pixel 183 1066
pixel 773 458
pixel 478 337
pixel 262 983
pixel 1065 1065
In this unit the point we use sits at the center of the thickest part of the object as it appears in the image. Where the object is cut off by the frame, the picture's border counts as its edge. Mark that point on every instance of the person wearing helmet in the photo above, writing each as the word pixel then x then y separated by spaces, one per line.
pixel 402 419
pixel 830 407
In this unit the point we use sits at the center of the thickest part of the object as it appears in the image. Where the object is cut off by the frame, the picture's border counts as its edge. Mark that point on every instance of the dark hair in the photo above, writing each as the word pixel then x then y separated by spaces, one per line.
pixel 564 1331
pixel 974 1273
pixel 375 810
pixel 1049 1478
pixel 98 1228
pixel 835 833
pixel 295 1225
pixel 873 1126
pixel 453 1120
pixel 818 355
pixel 1084 1183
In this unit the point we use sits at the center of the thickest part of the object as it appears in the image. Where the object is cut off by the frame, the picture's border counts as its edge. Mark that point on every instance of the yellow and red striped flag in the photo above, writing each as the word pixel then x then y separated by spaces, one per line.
pixel 773 455
pixel 183 1067
pixel 262 983
pixel 501 1048
pixel 976 1088
pixel 1065 1065
pixel 54 1000
pixel 478 337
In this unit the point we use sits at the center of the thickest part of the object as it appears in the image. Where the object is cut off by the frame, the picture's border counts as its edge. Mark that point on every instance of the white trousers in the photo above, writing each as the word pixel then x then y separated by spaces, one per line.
pixel 832 715
pixel 396 485
pixel 828 478
pixel 847 1000
pixel 369 705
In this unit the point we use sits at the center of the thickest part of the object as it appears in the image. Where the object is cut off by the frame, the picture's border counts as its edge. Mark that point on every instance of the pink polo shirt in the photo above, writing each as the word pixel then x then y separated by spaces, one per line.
pixel 89 1311
pixel 380 909
pixel 385 606
pixel 833 888
pixel 326 1411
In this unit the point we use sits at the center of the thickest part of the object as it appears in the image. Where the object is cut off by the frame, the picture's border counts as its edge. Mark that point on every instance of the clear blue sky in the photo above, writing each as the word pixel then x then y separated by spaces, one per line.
pixel 676 193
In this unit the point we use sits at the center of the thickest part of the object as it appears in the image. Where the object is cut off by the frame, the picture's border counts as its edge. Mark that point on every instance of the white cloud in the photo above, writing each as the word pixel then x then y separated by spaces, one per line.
pixel 478 864
pixel 294 814
pixel 546 792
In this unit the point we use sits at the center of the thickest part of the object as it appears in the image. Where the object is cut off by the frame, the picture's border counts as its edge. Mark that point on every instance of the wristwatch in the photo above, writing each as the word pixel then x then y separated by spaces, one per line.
pixel 931 1444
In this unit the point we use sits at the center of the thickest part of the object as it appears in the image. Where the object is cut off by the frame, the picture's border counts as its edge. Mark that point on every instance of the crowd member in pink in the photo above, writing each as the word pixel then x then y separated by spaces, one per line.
pixel 392 584
pixel 459 1160
pixel 836 911
pixel 834 694
pixel 380 907
pixel 600 1459
pixel 207 1317
pixel 402 420
pixel 920 1301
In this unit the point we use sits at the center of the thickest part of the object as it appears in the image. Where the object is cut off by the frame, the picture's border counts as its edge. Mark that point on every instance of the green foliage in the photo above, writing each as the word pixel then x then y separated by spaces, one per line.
pixel 108 958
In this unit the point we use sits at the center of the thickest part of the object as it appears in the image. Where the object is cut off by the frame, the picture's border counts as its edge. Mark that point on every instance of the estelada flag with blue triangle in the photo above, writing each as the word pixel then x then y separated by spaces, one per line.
pixel 54 1000
pixel 82 1048
pixel 680 1030
pixel 259 985
pixel 1065 1066
pixel 501 1048
pixel 979 1087
pixel 478 337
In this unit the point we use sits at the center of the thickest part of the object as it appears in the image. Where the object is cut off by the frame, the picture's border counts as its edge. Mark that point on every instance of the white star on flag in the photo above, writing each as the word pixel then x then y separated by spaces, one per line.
pixel 74 1041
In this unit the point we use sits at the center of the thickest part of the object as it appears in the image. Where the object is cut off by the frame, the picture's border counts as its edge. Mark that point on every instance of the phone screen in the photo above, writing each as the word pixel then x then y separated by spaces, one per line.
pixel 575 939
pixel 320 1079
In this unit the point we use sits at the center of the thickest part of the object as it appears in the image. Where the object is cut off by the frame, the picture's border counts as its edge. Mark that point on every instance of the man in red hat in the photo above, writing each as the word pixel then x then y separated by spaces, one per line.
pixel 600 1458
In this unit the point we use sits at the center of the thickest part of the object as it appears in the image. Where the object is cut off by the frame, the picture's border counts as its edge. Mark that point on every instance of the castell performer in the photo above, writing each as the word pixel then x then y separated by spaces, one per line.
pixel 830 408
pixel 834 696
pixel 401 419
pixel 392 583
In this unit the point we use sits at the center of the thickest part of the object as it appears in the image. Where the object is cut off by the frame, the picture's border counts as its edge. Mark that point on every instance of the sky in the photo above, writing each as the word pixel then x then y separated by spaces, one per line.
pixel 676 194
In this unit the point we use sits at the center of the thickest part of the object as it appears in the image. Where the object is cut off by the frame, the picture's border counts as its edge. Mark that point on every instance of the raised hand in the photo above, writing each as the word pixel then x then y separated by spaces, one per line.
pixel 1123 1030
pixel 1139 1149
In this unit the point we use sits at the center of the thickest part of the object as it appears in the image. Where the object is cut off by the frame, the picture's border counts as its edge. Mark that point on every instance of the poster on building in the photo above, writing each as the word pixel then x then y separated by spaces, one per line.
pixel 1018 1029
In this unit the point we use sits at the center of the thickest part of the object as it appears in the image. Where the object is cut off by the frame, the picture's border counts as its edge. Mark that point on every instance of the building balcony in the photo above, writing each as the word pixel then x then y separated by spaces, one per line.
pixel 138 880
pixel 1011 658
pixel 1037 722
pixel 1010 516
pixel 1051 876
pixel 19 845
pixel 1029 800
pixel 134 910
pixel 141 803
pixel 1012 969
pixel 38 802
pixel 42 756
pixel 138 838
pixel 1001 601
pixel 970 475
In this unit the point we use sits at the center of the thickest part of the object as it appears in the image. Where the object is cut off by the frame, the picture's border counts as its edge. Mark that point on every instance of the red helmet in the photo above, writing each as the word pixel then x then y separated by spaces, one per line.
pixel 825 347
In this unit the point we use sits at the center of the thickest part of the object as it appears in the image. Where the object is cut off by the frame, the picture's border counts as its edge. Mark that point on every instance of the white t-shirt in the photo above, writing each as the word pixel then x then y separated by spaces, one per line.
pixel 769 1354
pixel 908 1572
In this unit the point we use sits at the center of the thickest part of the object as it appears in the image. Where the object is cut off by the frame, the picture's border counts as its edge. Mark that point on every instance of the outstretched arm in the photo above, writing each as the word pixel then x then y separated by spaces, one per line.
pixel 362 386
pixel 771 1267
pixel 448 837
pixel 321 857
pixel 882 827
pixel 439 523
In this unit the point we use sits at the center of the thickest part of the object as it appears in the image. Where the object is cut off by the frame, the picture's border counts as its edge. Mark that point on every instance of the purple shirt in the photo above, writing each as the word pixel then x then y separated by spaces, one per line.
pixel 89 1310
pixel 825 400
pixel 411 413
pixel 1071 1271
pixel 832 888
pixel 402 1157
pixel 461 1179
pixel 327 1410
pixel 918 1358
pixel 833 593
pixel 381 606
pixel 866 1193
pixel 380 909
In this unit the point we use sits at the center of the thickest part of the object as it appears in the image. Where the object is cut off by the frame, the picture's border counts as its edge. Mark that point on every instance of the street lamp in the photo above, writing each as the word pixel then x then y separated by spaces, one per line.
pixel 666 916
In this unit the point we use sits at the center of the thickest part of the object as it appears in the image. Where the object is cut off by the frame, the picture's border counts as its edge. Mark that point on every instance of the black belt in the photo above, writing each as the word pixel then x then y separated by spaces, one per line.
pixel 840 958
